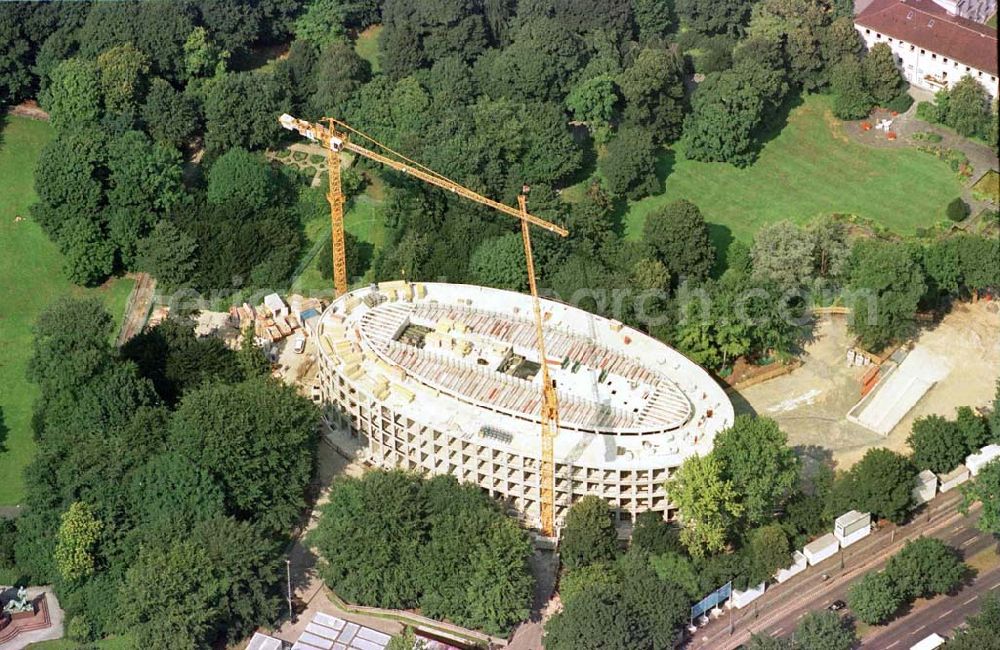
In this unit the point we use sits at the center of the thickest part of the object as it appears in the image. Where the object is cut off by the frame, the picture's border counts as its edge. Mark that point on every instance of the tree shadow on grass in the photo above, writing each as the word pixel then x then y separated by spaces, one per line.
pixel 775 123
pixel 4 432
pixel 3 123
pixel 722 238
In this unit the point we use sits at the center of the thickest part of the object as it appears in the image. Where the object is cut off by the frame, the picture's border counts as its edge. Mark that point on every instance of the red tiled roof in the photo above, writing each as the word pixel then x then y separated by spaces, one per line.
pixel 928 26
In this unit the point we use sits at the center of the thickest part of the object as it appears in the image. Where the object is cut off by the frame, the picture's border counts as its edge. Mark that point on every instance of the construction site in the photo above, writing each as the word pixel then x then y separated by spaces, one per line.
pixel 445 378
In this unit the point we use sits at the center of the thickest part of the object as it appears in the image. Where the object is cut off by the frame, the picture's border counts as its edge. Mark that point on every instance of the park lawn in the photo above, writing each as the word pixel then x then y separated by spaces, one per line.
pixel 366 46
pixel 809 169
pixel 113 643
pixel 992 21
pixel 31 277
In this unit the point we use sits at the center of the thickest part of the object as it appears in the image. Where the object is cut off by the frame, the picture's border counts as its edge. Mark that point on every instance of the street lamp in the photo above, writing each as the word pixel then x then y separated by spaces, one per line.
pixel 288 578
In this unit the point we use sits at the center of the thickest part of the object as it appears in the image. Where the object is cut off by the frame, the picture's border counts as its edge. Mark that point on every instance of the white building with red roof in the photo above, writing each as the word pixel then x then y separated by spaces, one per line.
pixel 934 47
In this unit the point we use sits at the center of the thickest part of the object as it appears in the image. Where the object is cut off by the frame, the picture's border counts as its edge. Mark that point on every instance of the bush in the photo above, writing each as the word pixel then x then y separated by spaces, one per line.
pixel 901 103
pixel 927 112
pixel 8 535
pixel 957 210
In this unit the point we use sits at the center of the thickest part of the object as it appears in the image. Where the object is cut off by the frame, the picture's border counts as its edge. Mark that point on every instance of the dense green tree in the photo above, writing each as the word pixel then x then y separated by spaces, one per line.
pixel 71 344
pixel 170 491
pixel 880 483
pixel 654 19
pixel 823 631
pixel 942 266
pixel 925 567
pixel 887 283
pixel 580 580
pixel 142 175
pixel 169 116
pixel 177 361
pixel 500 583
pixel 654 535
pixel 415 33
pixel 936 444
pixel 122 70
pixel 588 535
pixel 968 109
pixel 325 21
pixel 242 177
pixel 971 428
pixel 842 41
pixel 708 505
pixel 168 254
pixel 875 598
pixel 169 598
pixel 73 94
pixel 499 262
pixel 539 64
pixel 757 460
pixel 653 90
pixel 68 180
pixel 88 257
pixel 784 252
pixel 726 110
pixel 406 641
pixel 852 99
pixel 679 235
pixel 881 75
pixel 202 57
pixel 985 487
pixel 715 16
pixel 598 619
pixel 580 16
pixel 339 73
pixel 15 58
pixel 79 530
pixel 396 540
pixel 629 166
pixel 977 258
pixel 678 568
pixel 241 109
pixel 227 429
pixel 661 604
pixel 768 551
pixel 593 102
pixel 157 29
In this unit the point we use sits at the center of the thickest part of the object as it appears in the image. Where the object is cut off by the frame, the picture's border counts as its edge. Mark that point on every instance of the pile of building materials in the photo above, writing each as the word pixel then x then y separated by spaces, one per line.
pixel 851 527
pixel 327 632
pixel 271 322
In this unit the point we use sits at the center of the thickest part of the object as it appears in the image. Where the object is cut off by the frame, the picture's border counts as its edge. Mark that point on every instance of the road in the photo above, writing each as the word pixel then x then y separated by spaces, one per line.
pixel 777 612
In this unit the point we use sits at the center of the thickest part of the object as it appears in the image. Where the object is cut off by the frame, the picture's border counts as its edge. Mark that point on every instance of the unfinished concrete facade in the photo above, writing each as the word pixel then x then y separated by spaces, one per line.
pixel 444 378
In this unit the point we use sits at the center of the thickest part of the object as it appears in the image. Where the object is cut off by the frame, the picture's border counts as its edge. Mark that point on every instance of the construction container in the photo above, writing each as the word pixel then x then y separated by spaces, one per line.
pixel 954 478
pixel 799 564
pixel 821 549
pixel 741 599
pixel 926 487
pixel 851 527
pixel 986 455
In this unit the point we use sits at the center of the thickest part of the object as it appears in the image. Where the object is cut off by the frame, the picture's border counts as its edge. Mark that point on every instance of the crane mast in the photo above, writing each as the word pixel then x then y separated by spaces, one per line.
pixel 334 140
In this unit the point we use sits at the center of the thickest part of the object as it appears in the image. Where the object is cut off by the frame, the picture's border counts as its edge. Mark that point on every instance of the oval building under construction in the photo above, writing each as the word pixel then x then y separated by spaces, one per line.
pixel 444 378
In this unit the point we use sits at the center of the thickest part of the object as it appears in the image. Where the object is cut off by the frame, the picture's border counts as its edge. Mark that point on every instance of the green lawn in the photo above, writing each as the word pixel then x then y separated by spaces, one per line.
pixel 809 169
pixel 992 21
pixel 31 277
pixel 366 46
pixel 114 643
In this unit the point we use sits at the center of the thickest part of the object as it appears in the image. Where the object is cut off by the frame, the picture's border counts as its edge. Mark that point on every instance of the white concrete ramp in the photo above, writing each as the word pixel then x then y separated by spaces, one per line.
pixel 899 391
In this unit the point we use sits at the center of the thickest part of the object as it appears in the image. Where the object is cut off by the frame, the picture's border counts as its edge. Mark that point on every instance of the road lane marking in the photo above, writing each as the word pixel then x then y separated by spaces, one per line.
pixel 971 541
pixel 919 628
pixel 971 599
pixel 945 614
pixel 777 632
pixel 891 644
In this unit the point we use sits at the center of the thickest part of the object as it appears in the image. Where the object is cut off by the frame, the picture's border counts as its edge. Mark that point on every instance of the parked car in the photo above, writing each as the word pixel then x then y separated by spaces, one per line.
pixel 837 605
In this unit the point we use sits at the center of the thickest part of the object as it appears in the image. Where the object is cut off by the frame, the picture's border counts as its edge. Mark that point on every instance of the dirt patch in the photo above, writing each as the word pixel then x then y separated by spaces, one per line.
pixel 811 403
pixel 29 109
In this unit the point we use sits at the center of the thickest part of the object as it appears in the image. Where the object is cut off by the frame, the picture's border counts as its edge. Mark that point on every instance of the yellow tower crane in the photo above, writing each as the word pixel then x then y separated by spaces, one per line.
pixel 334 138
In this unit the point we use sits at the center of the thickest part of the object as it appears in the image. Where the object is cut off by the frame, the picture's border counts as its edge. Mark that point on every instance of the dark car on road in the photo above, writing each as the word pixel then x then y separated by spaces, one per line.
pixel 837 605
